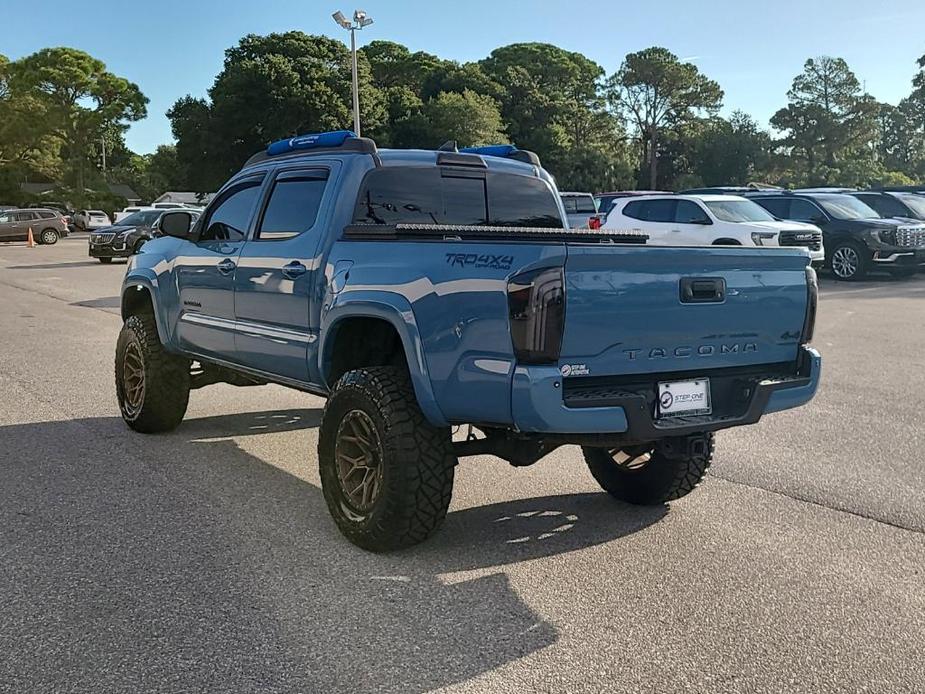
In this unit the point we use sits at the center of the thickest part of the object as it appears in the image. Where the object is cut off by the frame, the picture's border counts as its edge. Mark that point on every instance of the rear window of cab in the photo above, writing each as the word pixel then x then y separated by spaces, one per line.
pixel 422 195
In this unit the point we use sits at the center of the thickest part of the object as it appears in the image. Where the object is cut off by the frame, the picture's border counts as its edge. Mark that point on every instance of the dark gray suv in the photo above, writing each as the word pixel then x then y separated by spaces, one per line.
pixel 47 225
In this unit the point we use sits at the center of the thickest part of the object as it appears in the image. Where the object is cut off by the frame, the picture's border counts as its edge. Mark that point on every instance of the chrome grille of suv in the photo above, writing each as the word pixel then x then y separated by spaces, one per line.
pixel 101 238
pixel 910 237
pixel 808 239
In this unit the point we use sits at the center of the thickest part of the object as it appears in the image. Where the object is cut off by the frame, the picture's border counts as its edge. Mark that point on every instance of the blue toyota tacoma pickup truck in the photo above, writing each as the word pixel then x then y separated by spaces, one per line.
pixel 418 290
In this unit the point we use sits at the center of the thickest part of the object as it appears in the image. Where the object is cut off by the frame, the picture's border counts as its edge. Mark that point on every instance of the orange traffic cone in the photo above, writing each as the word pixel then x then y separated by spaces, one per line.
pixel 30 242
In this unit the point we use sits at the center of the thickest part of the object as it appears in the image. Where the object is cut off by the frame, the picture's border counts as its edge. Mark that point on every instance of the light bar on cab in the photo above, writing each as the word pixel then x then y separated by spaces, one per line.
pixel 312 141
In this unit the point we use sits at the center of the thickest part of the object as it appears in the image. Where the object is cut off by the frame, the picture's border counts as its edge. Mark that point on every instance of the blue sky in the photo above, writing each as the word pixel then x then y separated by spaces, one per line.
pixel 172 48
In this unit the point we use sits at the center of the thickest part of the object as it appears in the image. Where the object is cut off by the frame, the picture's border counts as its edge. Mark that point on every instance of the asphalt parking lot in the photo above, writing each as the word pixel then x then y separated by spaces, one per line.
pixel 205 559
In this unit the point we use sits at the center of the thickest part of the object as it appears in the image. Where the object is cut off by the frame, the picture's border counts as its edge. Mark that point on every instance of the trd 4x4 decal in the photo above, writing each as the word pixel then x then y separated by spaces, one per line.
pixel 477 260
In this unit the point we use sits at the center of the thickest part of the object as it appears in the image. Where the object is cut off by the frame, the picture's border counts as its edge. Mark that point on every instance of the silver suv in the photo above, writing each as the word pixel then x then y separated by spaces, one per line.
pixel 47 225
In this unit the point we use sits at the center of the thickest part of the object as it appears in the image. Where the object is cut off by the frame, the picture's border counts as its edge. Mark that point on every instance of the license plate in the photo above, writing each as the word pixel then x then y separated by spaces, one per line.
pixel 676 398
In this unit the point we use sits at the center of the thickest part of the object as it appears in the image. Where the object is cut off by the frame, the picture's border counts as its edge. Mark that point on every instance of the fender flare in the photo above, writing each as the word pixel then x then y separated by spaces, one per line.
pixel 145 280
pixel 396 310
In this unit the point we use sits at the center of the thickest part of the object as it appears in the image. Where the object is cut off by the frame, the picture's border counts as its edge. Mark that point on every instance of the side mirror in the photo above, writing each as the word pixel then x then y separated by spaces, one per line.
pixel 177 224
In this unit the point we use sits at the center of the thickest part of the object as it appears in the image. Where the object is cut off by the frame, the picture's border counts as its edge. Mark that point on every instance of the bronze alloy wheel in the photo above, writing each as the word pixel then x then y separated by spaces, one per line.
pixel 133 378
pixel 633 458
pixel 358 454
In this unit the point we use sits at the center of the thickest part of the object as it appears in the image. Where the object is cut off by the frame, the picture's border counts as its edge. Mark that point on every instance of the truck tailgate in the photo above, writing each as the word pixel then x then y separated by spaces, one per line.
pixel 632 310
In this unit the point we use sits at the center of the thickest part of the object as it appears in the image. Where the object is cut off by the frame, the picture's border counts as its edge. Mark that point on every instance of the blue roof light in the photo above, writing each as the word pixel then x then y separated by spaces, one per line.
pixel 312 141
pixel 491 150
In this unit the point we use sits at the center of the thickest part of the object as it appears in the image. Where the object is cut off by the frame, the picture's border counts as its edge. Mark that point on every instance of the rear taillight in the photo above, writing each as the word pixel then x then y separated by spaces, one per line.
pixel 594 223
pixel 536 304
pixel 812 301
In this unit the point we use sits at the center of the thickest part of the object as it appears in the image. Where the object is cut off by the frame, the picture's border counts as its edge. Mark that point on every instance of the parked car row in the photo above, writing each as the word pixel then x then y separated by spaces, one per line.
pixel 852 232
pixel 711 220
pixel 119 216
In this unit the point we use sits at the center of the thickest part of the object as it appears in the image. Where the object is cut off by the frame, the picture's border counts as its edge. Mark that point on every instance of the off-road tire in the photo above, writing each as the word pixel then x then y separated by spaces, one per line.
pixel 672 472
pixel 416 459
pixel 105 261
pixel 166 378
pixel 48 237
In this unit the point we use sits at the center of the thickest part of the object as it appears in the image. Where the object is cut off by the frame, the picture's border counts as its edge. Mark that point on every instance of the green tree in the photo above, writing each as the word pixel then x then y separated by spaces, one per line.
pixel 469 118
pixel 270 87
pixel 549 95
pixel 393 65
pixel 731 151
pixel 81 101
pixel 552 103
pixel 828 119
pixel 655 91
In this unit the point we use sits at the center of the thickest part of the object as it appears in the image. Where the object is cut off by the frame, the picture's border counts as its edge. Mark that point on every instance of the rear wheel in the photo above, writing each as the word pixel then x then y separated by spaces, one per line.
pixel 152 385
pixel 650 474
pixel 48 237
pixel 849 261
pixel 386 472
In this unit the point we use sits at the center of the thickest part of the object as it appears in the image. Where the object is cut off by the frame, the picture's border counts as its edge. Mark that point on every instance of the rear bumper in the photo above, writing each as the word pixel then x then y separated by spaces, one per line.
pixel 539 406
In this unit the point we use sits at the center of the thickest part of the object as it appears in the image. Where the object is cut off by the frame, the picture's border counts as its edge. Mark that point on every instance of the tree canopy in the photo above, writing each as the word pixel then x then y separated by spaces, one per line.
pixel 654 122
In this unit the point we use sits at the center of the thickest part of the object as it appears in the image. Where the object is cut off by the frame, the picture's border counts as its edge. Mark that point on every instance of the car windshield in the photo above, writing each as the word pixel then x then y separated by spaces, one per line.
pixel 142 218
pixel 96 213
pixel 739 211
pixel 916 203
pixel 846 207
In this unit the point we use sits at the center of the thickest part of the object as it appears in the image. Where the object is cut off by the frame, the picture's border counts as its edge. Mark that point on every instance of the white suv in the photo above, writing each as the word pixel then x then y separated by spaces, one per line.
pixel 705 220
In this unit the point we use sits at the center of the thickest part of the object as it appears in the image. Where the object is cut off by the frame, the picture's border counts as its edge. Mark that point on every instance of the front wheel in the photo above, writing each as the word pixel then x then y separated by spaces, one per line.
pixel 650 474
pixel 105 261
pixel 152 385
pixel 386 472
pixel 849 261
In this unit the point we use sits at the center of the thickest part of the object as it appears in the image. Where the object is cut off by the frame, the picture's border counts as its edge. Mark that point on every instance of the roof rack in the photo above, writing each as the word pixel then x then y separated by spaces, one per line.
pixel 505 151
pixel 338 140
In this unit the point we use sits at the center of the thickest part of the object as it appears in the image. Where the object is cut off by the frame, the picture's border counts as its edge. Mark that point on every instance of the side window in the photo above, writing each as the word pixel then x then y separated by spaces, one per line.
pixel 660 210
pixel 779 207
pixel 227 221
pixel 5 217
pixel 47 215
pixel 803 210
pixel 570 205
pixel 522 201
pixel 25 216
pixel 293 204
pixel 885 205
pixel 688 212
pixel 635 210
pixel 393 195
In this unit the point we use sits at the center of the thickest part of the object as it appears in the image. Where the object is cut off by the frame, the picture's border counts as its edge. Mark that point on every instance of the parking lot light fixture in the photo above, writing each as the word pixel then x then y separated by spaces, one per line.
pixel 360 20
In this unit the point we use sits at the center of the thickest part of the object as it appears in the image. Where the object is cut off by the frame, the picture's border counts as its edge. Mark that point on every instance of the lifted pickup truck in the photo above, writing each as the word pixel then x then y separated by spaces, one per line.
pixel 417 290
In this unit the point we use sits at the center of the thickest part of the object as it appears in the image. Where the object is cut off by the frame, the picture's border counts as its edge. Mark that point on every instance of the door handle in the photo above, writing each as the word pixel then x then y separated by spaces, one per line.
pixel 294 269
pixel 677 231
pixel 227 266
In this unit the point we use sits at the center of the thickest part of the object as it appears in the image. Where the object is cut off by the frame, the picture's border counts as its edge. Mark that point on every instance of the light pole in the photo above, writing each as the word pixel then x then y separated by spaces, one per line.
pixel 360 20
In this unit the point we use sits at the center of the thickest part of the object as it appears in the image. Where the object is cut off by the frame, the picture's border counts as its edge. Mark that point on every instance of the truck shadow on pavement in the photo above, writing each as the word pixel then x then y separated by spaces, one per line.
pixel 184 561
